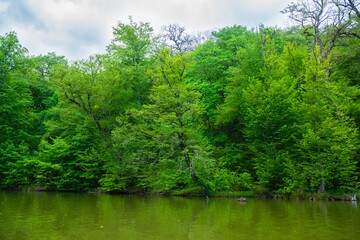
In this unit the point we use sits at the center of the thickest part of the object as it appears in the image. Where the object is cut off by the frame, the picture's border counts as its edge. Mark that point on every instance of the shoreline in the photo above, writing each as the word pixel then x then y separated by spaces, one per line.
pixel 197 192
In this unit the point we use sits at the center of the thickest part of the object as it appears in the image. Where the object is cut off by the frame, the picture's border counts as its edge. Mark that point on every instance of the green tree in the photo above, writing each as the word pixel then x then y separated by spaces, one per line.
pixel 329 136
pixel 270 118
pixel 15 105
pixel 99 92
pixel 66 152
pixel 168 129
pixel 249 62
pixel 91 95
pixel 131 52
pixel 43 97
pixel 208 76
pixel 26 171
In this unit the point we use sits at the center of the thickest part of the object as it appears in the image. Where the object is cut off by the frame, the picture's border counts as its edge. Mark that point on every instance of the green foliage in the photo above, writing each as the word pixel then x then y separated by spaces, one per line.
pixel 72 142
pixel 131 54
pixel 132 42
pixel 231 39
pixel 90 88
pixel 163 138
pixel 261 108
pixel 224 180
pixel 15 107
pixel 329 137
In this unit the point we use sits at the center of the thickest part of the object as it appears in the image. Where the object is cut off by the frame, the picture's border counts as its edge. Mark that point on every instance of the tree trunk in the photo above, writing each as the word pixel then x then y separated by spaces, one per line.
pixel 322 183
pixel 193 174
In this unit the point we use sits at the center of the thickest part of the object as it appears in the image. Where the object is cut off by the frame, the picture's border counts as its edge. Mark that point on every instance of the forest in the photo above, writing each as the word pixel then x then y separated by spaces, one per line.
pixel 236 109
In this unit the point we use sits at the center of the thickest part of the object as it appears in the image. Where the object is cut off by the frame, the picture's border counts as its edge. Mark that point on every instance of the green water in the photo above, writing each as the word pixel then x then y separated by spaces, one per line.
pixel 38 215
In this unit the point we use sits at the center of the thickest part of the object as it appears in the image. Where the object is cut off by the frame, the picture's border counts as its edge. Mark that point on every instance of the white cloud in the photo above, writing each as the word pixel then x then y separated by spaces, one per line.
pixel 3 7
pixel 260 5
pixel 79 28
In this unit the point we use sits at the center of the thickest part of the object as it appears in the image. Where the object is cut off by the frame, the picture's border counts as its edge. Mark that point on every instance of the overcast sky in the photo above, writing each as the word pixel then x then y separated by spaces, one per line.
pixel 78 28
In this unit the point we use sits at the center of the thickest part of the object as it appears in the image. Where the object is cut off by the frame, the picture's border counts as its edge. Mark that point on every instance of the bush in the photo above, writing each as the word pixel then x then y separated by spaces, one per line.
pixel 227 180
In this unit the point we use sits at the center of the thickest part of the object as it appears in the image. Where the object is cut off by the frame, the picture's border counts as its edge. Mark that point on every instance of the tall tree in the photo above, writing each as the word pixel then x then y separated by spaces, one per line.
pixel 270 117
pixel 208 76
pixel 16 74
pixel 168 125
pixel 329 139
pixel 94 89
pixel 131 52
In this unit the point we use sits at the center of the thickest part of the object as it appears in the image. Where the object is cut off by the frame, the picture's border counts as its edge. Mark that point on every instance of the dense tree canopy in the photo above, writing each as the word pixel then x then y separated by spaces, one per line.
pixel 264 108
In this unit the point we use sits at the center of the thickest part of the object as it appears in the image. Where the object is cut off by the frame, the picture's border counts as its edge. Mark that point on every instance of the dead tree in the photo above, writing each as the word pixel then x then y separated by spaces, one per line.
pixel 350 6
pixel 321 20
pixel 350 9
pixel 177 39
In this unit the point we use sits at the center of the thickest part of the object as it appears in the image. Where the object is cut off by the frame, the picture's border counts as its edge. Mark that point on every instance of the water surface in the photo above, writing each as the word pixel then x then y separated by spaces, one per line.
pixel 43 215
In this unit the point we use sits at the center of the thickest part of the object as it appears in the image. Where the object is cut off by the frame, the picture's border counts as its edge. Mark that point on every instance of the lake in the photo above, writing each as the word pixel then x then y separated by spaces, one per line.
pixel 51 215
